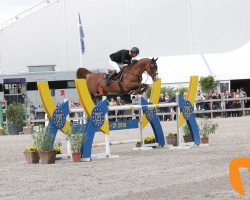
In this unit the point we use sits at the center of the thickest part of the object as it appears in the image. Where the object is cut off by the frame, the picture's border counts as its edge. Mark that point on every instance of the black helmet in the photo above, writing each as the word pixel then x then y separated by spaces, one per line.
pixel 135 50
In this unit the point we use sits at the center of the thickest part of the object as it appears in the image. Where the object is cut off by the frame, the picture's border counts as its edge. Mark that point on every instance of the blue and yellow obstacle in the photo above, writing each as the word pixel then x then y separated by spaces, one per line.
pixel 96 114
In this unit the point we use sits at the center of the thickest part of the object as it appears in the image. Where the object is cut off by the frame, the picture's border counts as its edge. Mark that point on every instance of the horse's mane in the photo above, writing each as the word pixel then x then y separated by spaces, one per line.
pixel 130 66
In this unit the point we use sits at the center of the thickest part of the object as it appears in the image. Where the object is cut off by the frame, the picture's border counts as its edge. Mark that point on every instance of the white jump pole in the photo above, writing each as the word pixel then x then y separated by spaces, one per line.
pixel 177 120
pixel 141 129
pixel 69 153
pixel 179 130
pixel 107 139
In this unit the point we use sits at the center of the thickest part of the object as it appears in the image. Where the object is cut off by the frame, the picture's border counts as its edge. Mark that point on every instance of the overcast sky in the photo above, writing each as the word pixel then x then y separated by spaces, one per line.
pixel 10 8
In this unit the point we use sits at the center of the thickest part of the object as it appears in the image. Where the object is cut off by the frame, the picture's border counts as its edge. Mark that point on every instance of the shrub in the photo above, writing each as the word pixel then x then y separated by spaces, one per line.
pixel 76 138
pixel 208 83
pixel 43 139
pixel 207 127
pixel 15 114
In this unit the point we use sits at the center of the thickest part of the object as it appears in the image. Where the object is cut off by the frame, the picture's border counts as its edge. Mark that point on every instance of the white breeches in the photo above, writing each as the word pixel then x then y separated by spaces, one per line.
pixel 115 65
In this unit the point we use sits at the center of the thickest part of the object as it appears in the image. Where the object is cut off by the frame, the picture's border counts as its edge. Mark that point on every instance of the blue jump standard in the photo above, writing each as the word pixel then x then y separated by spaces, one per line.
pixel 187 110
pixel 154 122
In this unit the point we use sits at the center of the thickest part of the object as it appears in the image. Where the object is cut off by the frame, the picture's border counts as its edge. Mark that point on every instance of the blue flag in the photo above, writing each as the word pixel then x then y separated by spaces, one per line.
pixel 81 34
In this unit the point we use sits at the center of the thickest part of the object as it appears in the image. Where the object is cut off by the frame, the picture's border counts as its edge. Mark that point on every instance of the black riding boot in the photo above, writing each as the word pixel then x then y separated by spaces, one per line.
pixel 112 75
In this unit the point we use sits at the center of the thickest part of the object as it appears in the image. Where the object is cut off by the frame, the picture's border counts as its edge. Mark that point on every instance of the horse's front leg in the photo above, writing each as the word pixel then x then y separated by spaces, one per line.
pixel 142 88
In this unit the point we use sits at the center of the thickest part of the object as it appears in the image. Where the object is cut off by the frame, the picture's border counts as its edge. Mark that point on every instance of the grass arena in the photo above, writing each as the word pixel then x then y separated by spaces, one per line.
pixel 196 173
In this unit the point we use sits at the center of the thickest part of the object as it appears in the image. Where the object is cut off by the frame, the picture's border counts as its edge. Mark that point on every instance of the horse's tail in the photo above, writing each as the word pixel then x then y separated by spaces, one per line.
pixel 82 73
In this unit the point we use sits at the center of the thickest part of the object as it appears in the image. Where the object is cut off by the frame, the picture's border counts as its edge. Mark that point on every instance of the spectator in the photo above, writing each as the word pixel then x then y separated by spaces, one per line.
pixel 216 95
pixel 112 102
pixel 185 95
pixel 135 101
pixel 162 99
pixel 229 104
pixel 242 93
pixel 207 104
pixel 223 94
pixel 200 97
pixel 119 101
pixel 168 99
pixel 32 110
pixel 237 104
pixel 71 102
pixel 161 110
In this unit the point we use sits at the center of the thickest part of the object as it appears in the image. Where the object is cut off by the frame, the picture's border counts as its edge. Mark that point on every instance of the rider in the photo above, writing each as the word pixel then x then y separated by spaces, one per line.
pixel 119 59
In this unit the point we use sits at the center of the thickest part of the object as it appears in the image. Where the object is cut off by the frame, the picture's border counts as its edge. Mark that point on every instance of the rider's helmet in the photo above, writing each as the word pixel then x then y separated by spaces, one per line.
pixel 135 50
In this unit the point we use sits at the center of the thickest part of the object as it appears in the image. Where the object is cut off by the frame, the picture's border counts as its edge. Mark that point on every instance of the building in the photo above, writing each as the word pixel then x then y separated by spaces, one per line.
pixel 48 35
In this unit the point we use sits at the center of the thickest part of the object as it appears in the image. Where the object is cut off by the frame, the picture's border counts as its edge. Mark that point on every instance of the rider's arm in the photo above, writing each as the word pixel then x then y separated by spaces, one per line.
pixel 124 58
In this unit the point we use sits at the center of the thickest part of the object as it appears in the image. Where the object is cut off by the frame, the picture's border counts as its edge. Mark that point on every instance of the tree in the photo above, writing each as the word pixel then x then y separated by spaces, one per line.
pixel 182 90
pixel 208 83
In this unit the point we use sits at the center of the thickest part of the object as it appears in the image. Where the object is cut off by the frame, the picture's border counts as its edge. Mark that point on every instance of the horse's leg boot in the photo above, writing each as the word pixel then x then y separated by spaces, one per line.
pixel 112 75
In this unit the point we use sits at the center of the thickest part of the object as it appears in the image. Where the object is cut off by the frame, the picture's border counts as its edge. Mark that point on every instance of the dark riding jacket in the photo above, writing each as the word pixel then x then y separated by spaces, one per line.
pixel 121 57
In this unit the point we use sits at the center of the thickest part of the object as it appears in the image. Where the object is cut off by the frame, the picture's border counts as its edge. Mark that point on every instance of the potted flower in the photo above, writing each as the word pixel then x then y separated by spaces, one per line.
pixel 187 135
pixel 76 140
pixel 28 129
pixel 44 142
pixel 31 155
pixel 207 127
pixel 172 138
pixel 149 139
pixel 15 118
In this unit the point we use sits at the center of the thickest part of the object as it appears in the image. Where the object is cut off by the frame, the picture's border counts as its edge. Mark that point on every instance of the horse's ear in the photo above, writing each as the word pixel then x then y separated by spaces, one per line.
pixel 156 59
pixel 153 60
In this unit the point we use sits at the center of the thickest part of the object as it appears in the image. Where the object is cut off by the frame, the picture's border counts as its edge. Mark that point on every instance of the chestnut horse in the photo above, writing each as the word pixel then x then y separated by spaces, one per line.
pixel 130 81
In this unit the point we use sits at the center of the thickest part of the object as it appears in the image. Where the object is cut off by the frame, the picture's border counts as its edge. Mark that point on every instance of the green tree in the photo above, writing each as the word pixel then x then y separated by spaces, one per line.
pixel 169 90
pixel 208 83
pixel 15 114
pixel 182 90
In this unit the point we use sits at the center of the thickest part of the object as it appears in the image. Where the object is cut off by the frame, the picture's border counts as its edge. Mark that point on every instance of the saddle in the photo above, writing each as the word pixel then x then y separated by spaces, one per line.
pixel 117 77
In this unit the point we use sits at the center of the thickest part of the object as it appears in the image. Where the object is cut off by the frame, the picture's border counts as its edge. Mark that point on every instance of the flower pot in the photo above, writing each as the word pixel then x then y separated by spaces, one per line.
pixel 187 138
pixel 47 157
pixel 204 140
pixel 76 157
pixel 172 140
pixel 31 157
pixel 14 130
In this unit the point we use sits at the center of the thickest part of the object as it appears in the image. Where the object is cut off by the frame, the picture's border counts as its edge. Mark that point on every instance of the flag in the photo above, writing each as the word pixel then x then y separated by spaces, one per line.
pixel 62 92
pixel 81 34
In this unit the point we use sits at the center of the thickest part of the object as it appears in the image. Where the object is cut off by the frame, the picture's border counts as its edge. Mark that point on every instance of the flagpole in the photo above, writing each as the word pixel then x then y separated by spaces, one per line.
pixel 65 34
pixel 80 51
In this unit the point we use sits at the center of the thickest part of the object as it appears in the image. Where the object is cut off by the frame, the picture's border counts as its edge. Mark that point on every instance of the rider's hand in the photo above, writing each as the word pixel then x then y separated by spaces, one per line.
pixel 134 61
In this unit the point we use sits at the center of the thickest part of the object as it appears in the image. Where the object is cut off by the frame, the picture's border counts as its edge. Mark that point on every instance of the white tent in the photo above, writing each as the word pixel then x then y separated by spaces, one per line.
pixel 50 35
pixel 231 65
pixel 224 66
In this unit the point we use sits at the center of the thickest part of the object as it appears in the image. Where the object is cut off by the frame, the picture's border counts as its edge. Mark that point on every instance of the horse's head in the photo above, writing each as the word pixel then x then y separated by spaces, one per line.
pixel 151 68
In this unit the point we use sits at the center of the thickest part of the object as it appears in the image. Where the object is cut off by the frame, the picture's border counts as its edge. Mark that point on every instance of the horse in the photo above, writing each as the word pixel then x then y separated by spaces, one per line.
pixel 130 81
